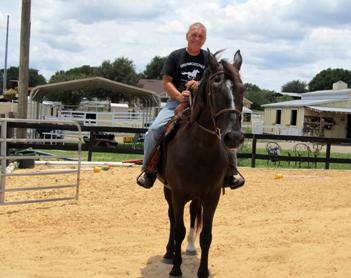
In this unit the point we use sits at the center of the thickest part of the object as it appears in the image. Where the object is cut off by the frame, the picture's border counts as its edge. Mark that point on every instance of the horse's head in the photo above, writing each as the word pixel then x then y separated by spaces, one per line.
pixel 219 101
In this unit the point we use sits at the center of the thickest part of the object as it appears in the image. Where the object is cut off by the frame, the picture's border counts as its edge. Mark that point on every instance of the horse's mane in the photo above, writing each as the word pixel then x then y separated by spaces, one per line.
pixel 199 93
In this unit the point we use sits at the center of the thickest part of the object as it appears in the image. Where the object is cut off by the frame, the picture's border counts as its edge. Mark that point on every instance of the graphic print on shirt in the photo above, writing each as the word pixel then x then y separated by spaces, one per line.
pixel 191 74
pixel 190 71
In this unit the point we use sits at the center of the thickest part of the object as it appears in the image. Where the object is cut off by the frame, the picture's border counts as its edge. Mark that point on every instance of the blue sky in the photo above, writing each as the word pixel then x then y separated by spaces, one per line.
pixel 280 40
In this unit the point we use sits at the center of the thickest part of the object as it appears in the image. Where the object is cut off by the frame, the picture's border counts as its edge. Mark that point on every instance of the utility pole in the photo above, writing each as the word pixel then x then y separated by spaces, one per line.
pixel 4 82
pixel 24 63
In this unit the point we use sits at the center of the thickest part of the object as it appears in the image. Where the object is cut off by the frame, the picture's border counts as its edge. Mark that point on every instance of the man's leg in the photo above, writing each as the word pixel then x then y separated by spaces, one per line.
pixel 233 179
pixel 152 138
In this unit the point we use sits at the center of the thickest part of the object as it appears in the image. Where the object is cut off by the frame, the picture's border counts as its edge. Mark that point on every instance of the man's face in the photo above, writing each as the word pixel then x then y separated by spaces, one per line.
pixel 196 38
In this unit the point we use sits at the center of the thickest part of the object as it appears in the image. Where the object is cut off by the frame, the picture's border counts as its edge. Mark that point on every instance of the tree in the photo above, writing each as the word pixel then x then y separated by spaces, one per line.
pixel 10 94
pixel 35 78
pixel 251 87
pixel 73 74
pixel 325 79
pixel 258 96
pixel 295 86
pixel 153 69
pixel 121 70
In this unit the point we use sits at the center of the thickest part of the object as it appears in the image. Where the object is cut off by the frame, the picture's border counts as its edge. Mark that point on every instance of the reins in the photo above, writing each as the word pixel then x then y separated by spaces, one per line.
pixel 213 114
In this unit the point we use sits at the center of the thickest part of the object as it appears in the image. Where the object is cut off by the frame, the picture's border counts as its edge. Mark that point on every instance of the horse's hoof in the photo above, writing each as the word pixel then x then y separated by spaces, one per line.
pixel 175 272
pixel 167 261
pixel 171 276
pixel 168 258
pixel 191 252
pixel 203 273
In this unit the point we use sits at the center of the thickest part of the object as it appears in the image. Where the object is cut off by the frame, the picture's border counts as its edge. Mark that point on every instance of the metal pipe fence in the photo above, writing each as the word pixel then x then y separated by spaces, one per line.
pixel 7 158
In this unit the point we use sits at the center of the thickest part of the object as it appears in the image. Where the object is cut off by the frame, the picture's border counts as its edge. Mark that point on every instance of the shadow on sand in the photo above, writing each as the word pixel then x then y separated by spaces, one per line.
pixel 156 268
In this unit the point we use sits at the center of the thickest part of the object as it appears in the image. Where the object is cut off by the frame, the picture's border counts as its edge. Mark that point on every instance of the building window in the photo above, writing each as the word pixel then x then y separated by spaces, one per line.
pixel 293 118
pixel 278 117
pixel 247 118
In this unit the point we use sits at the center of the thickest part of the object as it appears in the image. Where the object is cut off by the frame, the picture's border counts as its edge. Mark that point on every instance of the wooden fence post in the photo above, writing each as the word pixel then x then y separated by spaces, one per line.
pixel 253 155
pixel 327 157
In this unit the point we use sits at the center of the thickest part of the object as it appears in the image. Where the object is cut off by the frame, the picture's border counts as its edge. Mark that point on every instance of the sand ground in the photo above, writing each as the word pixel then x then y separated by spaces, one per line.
pixel 295 226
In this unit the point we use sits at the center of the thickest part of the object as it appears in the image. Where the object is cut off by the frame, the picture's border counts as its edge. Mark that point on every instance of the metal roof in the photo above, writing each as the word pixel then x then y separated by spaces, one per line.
pixel 39 92
pixel 313 98
pixel 330 109
pixel 247 110
pixel 298 103
pixel 336 95
pixel 295 95
pixel 327 93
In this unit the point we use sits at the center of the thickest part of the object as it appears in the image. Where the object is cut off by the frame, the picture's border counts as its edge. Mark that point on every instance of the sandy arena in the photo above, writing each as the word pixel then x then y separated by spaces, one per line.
pixel 295 226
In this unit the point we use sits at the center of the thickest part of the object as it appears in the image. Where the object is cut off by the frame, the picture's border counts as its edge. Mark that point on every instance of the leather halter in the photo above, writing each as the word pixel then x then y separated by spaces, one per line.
pixel 213 114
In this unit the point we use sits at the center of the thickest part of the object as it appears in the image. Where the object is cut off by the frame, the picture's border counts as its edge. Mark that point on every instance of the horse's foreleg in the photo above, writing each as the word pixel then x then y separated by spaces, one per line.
pixel 206 234
pixel 179 233
pixel 168 257
pixel 195 212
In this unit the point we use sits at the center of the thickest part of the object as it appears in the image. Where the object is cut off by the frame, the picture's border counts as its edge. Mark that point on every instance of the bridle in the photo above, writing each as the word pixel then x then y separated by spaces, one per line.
pixel 215 114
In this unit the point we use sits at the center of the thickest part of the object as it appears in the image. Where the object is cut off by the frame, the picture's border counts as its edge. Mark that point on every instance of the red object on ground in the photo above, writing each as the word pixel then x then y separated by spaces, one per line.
pixel 135 161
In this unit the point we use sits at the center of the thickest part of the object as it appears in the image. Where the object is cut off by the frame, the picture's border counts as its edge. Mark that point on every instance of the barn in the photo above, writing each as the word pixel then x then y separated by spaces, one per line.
pixel 319 113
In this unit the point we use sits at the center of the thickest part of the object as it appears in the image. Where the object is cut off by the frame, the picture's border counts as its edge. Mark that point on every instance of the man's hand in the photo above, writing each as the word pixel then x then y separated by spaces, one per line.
pixel 192 84
pixel 183 96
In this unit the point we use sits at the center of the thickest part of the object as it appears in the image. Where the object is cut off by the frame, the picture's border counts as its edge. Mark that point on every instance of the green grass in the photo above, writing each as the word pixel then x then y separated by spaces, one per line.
pixel 246 162
pixel 97 156
pixel 117 157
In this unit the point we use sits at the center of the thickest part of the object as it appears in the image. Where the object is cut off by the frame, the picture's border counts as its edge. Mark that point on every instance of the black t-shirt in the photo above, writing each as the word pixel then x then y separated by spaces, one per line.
pixel 183 67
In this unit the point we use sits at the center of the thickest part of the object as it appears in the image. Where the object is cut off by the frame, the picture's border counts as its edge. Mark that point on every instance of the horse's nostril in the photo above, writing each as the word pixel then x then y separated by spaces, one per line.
pixel 233 139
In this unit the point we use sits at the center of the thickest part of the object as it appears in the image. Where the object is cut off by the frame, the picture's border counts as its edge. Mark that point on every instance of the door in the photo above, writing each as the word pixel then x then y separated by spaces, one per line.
pixel 348 126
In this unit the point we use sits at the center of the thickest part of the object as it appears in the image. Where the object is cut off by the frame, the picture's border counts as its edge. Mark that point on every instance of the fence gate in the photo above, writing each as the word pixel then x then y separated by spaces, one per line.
pixel 47 192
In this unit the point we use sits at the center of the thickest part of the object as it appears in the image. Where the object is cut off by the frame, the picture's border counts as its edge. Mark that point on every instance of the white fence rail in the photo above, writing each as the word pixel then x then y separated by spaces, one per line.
pixel 90 118
pixel 276 129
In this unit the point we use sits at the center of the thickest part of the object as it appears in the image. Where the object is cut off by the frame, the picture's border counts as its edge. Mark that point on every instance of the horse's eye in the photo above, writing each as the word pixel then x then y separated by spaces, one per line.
pixel 217 79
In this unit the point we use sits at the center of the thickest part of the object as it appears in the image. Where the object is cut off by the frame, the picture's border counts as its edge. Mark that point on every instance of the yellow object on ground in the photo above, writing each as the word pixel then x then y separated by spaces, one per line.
pixel 97 169
pixel 279 176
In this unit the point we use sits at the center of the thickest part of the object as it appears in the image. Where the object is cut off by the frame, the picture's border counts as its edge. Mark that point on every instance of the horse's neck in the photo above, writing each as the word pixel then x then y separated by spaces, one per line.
pixel 203 131
pixel 205 120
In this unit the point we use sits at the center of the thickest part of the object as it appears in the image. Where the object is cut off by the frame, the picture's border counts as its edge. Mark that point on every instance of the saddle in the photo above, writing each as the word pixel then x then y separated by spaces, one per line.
pixel 182 113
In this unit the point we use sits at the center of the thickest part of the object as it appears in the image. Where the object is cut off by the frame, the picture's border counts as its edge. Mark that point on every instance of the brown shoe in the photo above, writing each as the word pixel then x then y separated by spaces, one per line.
pixel 233 182
pixel 146 180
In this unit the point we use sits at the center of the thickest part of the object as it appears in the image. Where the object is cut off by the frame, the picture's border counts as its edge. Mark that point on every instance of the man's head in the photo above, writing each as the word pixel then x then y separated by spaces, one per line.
pixel 196 37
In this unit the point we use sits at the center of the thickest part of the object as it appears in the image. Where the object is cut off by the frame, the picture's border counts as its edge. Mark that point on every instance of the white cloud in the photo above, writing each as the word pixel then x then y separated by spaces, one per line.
pixel 280 40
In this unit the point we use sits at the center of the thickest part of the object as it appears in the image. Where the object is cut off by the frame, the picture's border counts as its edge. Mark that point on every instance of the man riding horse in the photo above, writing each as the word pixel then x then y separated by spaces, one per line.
pixel 177 82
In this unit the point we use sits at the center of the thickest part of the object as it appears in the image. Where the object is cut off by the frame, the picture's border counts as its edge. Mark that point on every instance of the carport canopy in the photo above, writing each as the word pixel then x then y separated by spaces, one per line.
pixel 38 93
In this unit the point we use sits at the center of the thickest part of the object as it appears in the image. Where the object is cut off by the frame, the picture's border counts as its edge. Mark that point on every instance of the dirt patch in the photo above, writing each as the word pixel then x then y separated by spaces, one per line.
pixel 297 225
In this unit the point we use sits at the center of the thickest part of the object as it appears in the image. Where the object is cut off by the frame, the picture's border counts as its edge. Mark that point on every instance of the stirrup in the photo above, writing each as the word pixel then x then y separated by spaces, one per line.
pixel 146 179
pixel 232 182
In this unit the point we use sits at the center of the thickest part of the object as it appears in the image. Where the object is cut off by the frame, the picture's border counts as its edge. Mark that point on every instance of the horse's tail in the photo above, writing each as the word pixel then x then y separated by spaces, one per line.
pixel 199 215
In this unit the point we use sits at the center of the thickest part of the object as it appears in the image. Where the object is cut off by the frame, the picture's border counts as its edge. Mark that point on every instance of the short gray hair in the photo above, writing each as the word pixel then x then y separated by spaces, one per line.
pixel 197 25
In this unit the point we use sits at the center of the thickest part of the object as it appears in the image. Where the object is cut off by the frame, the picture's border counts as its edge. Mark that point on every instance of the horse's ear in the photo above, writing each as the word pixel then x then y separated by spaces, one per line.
pixel 238 60
pixel 212 61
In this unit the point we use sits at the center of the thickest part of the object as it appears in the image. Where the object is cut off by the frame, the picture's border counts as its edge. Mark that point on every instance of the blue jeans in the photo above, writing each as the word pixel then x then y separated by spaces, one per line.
pixel 154 133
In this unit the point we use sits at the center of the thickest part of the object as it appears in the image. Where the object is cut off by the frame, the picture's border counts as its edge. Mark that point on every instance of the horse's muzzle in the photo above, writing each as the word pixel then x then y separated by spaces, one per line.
pixel 233 139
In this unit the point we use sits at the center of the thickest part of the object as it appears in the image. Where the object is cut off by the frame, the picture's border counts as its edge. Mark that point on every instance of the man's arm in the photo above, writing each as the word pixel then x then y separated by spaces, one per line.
pixel 172 90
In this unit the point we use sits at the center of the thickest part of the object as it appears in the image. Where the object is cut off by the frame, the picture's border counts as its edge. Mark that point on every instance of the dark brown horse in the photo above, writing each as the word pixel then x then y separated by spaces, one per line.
pixel 196 159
